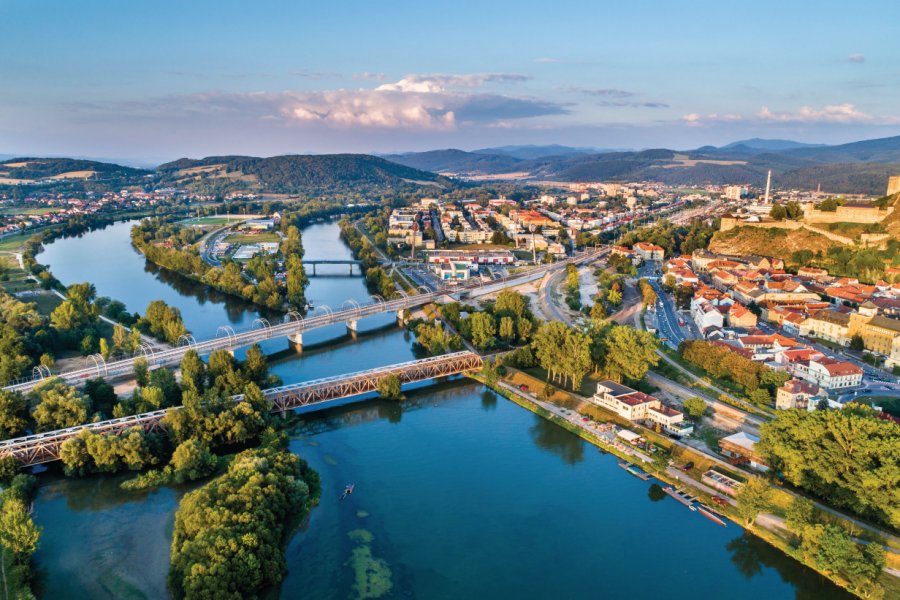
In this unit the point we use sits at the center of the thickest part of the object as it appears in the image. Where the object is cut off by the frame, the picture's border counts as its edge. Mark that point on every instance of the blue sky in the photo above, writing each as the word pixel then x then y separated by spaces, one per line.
pixel 158 80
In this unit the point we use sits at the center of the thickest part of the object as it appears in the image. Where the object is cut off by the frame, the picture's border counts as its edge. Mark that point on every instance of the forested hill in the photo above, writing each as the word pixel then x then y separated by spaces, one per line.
pixel 291 173
pixel 29 170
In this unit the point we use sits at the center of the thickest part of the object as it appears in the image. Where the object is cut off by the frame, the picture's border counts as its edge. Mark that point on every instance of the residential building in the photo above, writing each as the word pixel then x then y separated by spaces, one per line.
pixel 797 394
pixel 877 332
pixel 639 407
pixel 649 251
pixel 830 373
pixel 829 325
pixel 741 316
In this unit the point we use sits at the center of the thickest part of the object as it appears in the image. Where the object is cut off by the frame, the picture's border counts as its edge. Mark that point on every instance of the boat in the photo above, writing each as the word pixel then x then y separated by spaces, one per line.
pixel 682 497
pixel 347 490
pixel 635 470
pixel 712 515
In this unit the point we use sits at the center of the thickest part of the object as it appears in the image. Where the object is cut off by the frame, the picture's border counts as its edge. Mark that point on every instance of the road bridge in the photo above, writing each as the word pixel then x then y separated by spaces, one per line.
pixel 44 447
pixel 314 263
pixel 350 313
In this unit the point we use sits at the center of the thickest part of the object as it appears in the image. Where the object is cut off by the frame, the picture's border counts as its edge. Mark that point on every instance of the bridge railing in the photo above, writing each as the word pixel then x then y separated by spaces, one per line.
pixel 172 356
pixel 44 447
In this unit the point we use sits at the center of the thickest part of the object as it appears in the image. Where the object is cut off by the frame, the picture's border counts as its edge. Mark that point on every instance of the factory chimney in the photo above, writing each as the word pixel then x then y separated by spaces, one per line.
pixel 768 186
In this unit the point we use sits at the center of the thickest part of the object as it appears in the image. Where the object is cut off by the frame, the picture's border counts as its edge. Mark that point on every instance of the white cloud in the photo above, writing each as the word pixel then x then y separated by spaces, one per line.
pixel 416 102
pixel 546 60
pixel 856 58
pixel 830 114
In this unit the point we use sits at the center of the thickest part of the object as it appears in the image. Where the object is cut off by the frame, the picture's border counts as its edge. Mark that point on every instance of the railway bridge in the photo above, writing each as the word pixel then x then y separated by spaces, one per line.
pixel 45 447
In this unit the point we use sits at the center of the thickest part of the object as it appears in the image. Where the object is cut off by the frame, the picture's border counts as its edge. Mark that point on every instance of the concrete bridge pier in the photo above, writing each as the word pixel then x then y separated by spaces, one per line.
pixel 296 341
pixel 401 319
pixel 352 327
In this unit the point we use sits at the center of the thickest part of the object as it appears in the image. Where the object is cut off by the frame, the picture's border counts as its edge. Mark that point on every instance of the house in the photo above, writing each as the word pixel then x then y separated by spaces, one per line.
pixel 649 251
pixel 830 373
pixel 828 325
pixel 639 407
pixel 797 394
pixel 705 314
pixel 740 316
pixel 877 331
pixel 740 447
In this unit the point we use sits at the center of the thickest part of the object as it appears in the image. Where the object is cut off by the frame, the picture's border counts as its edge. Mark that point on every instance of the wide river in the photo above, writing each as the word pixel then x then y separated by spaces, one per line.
pixel 459 493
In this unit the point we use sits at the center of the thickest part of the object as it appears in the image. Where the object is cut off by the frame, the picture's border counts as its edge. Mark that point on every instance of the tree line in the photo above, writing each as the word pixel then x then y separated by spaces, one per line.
pixel 758 381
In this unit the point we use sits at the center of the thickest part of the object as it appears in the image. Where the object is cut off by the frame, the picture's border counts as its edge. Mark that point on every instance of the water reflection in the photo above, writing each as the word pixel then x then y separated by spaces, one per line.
pixel 752 556
pixel 488 400
pixel 656 493
pixel 552 437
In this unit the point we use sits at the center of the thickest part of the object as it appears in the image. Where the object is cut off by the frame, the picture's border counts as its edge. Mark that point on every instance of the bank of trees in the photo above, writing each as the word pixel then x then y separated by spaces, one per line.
pixel 19 536
pixel 847 457
pixel 675 239
pixel 163 322
pixel 378 280
pixel 756 380
pixel 167 245
pixel 648 294
pixel 505 323
pixel 616 352
pixel 229 534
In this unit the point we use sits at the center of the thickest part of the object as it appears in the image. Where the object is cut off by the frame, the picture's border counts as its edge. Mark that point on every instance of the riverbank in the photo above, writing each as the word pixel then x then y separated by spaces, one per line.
pixel 767 527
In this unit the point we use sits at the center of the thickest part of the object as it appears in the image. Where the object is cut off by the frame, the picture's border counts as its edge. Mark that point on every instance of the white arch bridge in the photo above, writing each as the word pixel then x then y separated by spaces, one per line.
pixel 229 339
pixel 45 447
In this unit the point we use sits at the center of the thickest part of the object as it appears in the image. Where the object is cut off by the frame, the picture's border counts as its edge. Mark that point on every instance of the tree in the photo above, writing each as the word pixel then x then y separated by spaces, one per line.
pixel 255 366
pixel 629 353
pixel 761 397
pixel 754 497
pixel 614 297
pixel 845 456
pixel 13 414
pixel 193 372
pixel 389 387
pixel 9 468
pixel 192 460
pixel 669 282
pixel 60 406
pixel 18 532
pixel 483 330
pixel 695 407
pixel 598 312
pixel 507 329
pixel 102 394
pixel 778 213
pixel 857 343
pixel 141 371
pixel 489 372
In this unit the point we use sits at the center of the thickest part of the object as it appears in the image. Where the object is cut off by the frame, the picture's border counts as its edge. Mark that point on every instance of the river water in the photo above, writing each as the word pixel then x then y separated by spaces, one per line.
pixel 459 493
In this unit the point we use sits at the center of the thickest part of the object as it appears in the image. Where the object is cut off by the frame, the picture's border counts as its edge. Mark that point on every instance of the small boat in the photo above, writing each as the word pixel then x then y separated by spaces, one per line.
pixel 635 470
pixel 712 515
pixel 680 496
pixel 347 490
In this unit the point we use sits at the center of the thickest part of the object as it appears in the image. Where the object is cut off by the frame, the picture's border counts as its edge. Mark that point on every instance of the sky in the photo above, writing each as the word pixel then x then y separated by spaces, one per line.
pixel 153 81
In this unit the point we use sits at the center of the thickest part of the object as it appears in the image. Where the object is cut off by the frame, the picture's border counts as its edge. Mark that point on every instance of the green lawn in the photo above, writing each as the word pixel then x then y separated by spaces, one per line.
pixel 241 238
pixel 212 220
pixel 38 210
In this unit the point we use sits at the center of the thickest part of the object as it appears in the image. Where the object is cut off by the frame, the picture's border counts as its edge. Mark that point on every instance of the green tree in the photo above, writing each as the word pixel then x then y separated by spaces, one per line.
pixel 193 372
pixel 754 497
pixel 59 406
pixel 629 353
pixel 18 532
pixel 507 329
pixel 141 371
pixel 778 213
pixel 389 387
pixel 695 407
pixel 483 330
pixel 13 414
pixel 192 460
pixel 857 343
pixel 761 397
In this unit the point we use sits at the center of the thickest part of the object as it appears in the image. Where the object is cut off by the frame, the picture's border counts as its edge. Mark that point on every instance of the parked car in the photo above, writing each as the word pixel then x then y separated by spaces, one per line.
pixel 688 466
pixel 523 387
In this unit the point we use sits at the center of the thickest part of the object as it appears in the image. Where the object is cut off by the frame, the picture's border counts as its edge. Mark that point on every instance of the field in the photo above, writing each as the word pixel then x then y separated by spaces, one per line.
pixel 241 238
pixel 218 220
pixel 37 210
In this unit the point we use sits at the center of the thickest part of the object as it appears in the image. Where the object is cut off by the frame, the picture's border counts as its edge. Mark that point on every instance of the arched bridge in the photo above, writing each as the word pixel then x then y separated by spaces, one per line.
pixel 44 447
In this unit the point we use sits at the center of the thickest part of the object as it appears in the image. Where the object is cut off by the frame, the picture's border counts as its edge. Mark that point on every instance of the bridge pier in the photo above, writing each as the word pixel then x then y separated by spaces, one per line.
pixel 314 268
pixel 401 318
pixel 296 341
pixel 352 327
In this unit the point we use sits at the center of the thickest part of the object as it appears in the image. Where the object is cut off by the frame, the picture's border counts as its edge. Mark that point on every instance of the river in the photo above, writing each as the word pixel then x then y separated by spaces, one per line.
pixel 459 493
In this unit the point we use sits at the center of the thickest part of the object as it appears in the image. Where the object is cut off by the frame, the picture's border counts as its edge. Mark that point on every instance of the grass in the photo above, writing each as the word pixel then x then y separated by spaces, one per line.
pixel 241 238
pixel 38 210
pixel 211 221
pixel 828 344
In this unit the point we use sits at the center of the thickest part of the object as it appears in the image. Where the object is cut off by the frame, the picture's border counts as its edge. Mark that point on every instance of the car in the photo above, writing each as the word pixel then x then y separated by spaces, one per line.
pixel 687 466
pixel 523 387
pixel 585 419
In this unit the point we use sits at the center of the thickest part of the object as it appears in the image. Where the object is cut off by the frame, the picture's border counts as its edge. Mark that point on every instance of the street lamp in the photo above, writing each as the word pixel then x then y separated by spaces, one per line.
pixel 532 228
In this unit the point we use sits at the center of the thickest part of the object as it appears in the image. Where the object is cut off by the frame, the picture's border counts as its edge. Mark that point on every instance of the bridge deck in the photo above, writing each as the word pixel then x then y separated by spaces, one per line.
pixel 45 447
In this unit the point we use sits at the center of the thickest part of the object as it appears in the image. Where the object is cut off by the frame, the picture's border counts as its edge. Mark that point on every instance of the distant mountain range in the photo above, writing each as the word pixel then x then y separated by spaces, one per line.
pixel 858 167
pixel 861 167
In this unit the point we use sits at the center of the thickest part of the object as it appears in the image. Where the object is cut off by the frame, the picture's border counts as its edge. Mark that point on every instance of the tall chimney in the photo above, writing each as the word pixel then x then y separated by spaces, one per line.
pixel 768 186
